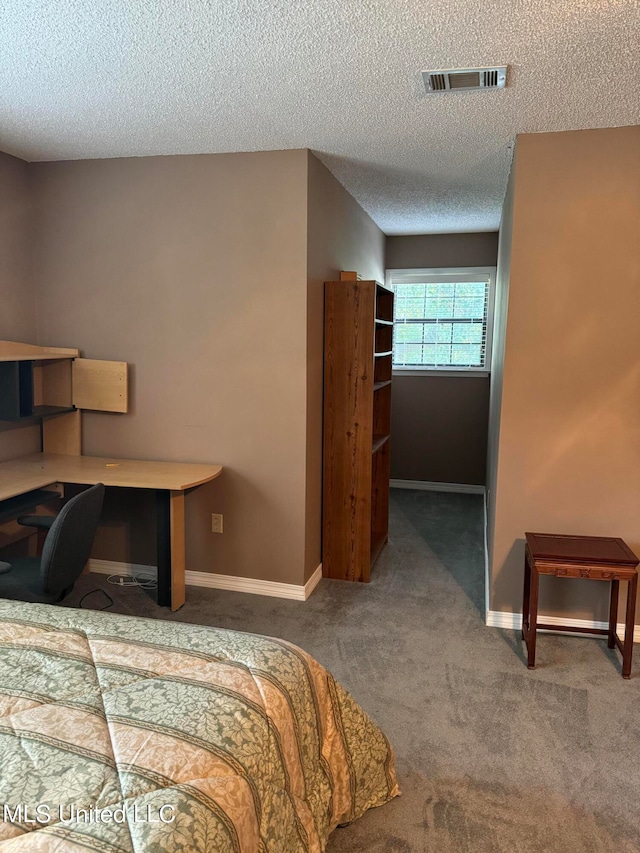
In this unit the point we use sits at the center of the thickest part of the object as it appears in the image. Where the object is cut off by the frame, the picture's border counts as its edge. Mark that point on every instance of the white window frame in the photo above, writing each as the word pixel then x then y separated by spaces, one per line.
pixel 458 274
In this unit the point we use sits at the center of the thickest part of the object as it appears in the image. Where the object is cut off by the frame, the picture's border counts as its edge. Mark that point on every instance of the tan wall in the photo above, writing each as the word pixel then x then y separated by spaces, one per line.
pixel 17 304
pixel 340 237
pixel 424 251
pixel 439 428
pixel 439 423
pixel 192 269
pixel 503 274
pixel 569 444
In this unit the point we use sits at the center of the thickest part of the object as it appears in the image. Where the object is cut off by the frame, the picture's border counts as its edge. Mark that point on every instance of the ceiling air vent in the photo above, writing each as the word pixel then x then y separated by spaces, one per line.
pixel 465 79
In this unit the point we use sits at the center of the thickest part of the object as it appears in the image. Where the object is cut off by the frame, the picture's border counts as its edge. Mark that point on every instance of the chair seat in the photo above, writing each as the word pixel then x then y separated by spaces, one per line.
pixel 24 583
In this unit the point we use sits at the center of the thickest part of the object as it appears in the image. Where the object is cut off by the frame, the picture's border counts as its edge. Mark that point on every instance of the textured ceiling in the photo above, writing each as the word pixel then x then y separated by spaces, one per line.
pixel 113 78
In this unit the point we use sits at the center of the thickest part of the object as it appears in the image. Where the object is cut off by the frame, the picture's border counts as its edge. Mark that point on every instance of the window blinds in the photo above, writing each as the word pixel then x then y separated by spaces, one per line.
pixel 441 318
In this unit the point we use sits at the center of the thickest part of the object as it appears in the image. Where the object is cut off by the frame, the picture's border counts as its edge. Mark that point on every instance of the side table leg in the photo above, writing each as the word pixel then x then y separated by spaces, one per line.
pixel 533 618
pixel 613 613
pixel 526 596
pixel 628 628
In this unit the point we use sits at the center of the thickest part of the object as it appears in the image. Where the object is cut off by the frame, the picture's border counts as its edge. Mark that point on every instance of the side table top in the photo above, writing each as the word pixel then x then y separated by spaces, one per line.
pixel 580 549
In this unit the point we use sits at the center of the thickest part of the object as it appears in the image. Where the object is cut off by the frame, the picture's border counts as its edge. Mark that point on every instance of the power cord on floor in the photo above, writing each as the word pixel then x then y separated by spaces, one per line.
pixel 92 592
pixel 141 580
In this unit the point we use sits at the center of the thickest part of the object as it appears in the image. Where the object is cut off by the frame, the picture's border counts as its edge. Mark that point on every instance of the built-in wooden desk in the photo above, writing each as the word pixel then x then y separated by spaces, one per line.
pixel 169 480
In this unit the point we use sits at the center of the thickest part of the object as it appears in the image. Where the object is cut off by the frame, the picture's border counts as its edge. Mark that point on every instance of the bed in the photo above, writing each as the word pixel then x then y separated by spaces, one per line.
pixel 136 735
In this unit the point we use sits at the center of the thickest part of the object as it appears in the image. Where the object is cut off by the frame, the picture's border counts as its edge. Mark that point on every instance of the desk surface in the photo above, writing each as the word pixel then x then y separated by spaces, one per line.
pixel 42 469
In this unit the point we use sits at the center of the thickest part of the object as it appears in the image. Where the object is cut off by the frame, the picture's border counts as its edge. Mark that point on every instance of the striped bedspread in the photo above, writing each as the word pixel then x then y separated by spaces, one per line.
pixel 136 735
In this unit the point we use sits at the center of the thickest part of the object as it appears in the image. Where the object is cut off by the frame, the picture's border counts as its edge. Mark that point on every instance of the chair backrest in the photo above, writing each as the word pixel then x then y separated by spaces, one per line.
pixel 68 544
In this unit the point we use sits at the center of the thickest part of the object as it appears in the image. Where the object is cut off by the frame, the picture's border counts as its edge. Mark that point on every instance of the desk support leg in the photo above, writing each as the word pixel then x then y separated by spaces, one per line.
pixel 163 539
pixel 171 548
pixel 178 550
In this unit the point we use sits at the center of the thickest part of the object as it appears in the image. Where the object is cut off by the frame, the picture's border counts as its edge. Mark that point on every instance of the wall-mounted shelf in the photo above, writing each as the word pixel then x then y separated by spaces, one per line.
pixel 53 384
pixel 47 411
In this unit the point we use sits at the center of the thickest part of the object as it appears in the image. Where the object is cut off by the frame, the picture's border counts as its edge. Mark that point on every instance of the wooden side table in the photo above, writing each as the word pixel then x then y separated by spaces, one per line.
pixel 600 558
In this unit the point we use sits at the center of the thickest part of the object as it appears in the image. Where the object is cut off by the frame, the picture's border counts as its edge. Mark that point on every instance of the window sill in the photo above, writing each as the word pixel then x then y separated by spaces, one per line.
pixel 424 371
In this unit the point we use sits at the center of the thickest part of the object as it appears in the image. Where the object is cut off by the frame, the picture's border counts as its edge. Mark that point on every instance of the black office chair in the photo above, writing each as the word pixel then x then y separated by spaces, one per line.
pixel 42 523
pixel 50 578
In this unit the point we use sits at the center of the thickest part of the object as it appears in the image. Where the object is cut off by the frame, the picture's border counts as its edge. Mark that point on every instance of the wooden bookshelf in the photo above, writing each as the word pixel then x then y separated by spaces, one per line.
pixel 357 426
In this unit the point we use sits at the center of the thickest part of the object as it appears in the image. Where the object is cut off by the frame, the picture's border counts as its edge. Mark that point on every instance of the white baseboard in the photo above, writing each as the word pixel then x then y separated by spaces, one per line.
pixel 513 622
pixel 428 486
pixel 487 594
pixel 313 582
pixel 111 567
pixel 211 581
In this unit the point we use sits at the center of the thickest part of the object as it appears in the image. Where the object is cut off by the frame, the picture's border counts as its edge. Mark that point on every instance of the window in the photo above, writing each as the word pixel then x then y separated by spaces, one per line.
pixel 442 319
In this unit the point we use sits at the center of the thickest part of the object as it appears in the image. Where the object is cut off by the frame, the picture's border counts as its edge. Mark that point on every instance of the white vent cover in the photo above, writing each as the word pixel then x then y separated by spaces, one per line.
pixel 464 79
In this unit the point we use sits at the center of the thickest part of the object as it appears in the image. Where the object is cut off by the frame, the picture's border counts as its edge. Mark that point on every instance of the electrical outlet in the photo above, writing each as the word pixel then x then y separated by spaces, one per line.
pixel 216 522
